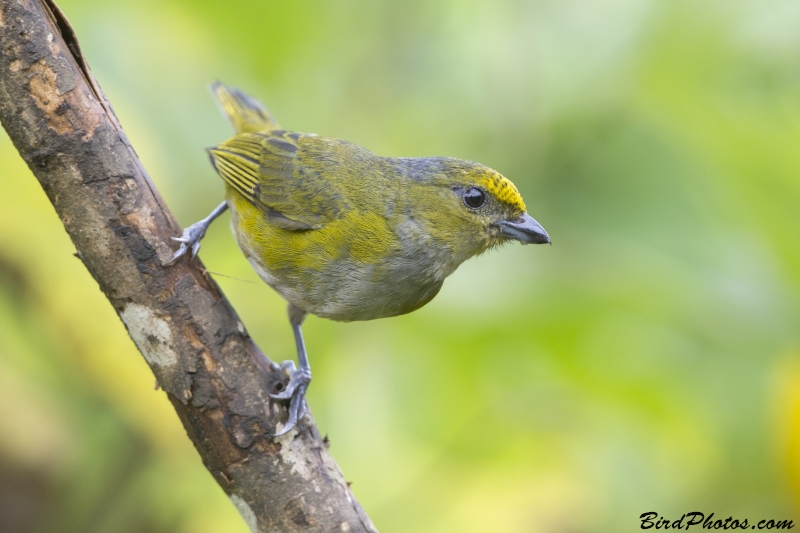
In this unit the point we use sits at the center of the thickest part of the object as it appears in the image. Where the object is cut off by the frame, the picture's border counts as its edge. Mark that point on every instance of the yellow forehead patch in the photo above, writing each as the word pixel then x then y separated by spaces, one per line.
pixel 502 189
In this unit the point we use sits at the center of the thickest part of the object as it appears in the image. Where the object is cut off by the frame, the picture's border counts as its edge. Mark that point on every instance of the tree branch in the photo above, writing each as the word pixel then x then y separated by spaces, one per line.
pixel 215 376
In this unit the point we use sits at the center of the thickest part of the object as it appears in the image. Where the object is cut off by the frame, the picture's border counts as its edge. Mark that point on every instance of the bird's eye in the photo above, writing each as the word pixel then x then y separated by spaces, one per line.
pixel 474 197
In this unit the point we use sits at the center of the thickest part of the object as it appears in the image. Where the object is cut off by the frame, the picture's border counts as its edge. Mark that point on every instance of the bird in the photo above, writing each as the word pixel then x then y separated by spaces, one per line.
pixel 344 234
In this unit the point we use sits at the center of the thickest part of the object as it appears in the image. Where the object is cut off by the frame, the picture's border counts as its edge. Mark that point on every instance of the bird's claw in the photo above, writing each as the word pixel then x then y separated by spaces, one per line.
pixel 190 240
pixel 297 410
pixel 295 392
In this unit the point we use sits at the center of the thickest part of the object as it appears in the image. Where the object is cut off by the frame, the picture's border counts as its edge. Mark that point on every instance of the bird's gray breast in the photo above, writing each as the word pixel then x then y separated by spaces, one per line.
pixel 400 283
pixel 365 292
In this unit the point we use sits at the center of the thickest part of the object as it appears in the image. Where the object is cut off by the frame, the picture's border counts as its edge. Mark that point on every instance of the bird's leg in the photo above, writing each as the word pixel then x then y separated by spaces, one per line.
pixel 192 235
pixel 299 378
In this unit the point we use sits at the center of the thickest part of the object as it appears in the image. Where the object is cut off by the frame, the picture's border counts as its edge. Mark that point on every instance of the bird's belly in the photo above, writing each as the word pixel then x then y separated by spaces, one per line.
pixel 349 292
pixel 343 289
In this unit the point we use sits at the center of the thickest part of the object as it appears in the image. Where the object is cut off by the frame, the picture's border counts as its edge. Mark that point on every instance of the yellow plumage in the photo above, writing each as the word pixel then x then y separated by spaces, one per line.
pixel 348 235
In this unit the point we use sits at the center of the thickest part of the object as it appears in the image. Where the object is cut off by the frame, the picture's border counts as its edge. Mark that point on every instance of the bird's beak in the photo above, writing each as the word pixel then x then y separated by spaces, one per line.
pixel 524 229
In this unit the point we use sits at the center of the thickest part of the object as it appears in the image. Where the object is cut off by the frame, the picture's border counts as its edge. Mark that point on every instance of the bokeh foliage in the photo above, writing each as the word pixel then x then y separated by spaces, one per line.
pixel 648 361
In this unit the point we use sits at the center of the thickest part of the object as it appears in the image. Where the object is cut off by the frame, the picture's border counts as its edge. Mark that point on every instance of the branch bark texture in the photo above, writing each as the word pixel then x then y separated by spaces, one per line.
pixel 215 376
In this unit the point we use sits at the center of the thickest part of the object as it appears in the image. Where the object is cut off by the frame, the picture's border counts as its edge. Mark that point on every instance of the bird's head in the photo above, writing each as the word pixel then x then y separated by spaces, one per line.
pixel 476 208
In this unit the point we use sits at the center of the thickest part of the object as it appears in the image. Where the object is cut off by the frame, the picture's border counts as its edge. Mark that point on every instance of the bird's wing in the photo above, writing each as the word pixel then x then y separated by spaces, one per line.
pixel 268 169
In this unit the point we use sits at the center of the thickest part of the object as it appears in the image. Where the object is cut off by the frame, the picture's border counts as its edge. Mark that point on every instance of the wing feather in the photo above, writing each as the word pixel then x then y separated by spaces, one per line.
pixel 268 169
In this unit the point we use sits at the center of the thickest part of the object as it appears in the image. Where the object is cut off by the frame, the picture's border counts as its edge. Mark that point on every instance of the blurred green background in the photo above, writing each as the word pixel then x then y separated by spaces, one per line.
pixel 648 361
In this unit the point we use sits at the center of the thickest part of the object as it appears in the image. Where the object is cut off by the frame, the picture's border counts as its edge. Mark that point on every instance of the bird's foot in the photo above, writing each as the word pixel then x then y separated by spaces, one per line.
pixel 295 392
pixel 190 240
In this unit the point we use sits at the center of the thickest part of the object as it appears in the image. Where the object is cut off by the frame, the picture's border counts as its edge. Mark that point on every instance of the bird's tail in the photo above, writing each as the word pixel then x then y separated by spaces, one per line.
pixel 245 113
